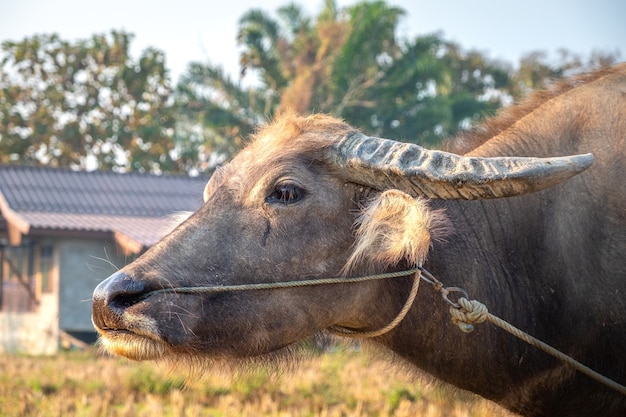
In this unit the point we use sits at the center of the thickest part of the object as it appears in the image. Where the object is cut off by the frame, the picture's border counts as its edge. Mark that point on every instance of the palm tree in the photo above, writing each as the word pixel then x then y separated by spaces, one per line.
pixel 345 62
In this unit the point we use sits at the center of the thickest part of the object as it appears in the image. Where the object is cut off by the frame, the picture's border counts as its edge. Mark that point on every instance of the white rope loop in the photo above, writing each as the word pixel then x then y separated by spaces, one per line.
pixel 342 331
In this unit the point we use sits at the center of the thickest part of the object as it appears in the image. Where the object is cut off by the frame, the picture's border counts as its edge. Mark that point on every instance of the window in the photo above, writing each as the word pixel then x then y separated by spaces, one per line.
pixel 46 268
pixel 21 267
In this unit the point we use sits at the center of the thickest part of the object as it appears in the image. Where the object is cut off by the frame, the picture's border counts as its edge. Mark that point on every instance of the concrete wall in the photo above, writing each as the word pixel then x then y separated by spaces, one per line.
pixel 78 266
pixel 35 333
pixel 83 264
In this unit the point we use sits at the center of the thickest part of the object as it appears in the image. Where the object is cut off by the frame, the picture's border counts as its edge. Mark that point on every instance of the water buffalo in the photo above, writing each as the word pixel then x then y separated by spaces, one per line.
pixel 311 197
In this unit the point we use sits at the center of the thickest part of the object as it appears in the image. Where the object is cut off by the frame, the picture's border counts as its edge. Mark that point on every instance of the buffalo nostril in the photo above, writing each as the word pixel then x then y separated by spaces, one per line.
pixel 119 291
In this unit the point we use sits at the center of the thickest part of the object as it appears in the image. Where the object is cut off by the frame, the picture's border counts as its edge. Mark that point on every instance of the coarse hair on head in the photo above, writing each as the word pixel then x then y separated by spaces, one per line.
pixel 395 227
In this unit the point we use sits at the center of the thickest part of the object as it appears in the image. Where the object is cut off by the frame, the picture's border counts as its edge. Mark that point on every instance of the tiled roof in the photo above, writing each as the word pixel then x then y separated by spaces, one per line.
pixel 135 206
pixel 98 192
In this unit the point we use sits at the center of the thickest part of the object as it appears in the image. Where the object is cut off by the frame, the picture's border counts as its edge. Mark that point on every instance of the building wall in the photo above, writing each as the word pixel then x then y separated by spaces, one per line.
pixel 78 266
pixel 83 264
pixel 35 332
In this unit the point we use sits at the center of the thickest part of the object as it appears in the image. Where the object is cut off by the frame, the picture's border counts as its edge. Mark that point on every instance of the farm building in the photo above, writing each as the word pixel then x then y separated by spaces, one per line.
pixel 62 232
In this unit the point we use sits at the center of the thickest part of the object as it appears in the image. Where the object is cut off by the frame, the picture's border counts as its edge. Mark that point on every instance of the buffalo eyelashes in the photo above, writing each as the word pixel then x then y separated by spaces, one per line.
pixel 285 194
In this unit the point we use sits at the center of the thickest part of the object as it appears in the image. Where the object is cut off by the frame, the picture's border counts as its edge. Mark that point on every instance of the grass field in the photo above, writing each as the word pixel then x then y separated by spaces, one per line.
pixel 344 383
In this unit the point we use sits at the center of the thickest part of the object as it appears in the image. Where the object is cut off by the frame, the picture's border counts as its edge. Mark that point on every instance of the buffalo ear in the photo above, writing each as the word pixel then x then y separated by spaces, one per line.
pixel 394 227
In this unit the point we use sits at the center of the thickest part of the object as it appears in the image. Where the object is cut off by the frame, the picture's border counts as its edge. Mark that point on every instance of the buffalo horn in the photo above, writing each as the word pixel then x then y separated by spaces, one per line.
pixel 383 164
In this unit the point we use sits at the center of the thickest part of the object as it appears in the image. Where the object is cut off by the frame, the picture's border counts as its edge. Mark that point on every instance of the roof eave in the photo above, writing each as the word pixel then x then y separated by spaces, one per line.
pixel 16 226
pixel 128 245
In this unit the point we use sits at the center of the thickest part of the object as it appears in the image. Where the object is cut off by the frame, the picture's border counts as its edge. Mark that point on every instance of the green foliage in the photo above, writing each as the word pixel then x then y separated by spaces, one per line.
pixel 213 115
pixel 537 69
pixel 144 380
pixel 400 393
pixel 251 385
pixel 343 383
pixel 88 104
pixel 368 49
pixel 85 104
pixel 348 63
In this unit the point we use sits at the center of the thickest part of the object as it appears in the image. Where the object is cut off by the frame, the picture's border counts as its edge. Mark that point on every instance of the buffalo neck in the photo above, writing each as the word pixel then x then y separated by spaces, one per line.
pixel 486 258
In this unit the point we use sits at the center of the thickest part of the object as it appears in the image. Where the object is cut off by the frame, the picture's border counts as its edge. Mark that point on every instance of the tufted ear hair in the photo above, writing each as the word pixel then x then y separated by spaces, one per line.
pixel 394 227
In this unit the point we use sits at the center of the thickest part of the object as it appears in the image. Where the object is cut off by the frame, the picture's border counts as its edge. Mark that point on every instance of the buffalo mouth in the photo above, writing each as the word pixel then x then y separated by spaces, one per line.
pixel 128 333
pixel 131 345
pixel 149 322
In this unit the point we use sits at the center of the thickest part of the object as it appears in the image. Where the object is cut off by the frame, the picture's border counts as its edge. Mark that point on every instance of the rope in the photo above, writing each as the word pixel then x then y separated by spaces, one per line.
pixel 285 284
pixel 464 312
pixel 472 311
pixel 323 281
pixel 375 333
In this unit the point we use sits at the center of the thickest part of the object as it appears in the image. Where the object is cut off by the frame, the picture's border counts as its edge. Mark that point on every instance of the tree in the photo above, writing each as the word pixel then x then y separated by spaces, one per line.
pixel 537 70
pixel 85 105
pixel 214 114
pixel 348 63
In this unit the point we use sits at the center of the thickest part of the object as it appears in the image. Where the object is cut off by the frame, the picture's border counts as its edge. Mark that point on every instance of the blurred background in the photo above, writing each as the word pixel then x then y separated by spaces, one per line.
pixel 113 115
pixel 188 80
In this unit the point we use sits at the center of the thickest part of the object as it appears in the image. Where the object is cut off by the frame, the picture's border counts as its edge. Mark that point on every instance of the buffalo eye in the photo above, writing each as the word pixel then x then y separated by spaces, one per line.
pixel 285 194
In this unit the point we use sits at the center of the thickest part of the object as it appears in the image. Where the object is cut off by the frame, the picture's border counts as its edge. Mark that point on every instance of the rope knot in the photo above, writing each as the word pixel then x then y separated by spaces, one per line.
pixel 468 313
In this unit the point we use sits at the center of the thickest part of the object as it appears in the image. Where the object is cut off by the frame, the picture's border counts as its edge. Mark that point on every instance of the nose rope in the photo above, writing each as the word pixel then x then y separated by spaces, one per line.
pixel 285 284
pixel 339 330
pixel 343 331
pixel 464 312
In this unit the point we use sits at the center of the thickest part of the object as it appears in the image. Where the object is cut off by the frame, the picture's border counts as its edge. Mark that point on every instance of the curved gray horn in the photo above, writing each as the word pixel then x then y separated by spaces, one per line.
pixel 383 163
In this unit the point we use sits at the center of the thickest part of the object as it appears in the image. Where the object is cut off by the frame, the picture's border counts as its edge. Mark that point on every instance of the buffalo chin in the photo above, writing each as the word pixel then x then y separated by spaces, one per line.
pixel 132 346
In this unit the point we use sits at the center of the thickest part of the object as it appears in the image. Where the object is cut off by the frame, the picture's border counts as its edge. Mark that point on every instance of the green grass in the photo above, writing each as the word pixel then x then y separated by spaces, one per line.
pixel 343 383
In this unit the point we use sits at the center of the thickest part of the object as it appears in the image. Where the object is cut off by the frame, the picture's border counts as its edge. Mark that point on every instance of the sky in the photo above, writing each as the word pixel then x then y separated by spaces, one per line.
pixel 204 30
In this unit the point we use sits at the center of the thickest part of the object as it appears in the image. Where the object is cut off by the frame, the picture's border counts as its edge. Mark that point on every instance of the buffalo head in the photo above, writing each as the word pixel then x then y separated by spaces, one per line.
pixel 310 197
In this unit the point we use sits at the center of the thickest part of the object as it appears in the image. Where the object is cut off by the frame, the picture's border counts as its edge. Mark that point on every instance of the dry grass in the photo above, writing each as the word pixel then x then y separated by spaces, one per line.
pixel 341 384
